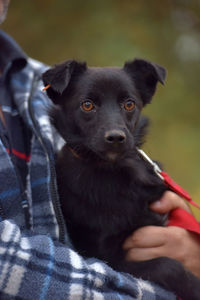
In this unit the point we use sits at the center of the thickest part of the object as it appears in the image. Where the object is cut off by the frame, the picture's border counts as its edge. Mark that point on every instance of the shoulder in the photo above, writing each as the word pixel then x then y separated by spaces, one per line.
pixel 36 65
pixel 22 80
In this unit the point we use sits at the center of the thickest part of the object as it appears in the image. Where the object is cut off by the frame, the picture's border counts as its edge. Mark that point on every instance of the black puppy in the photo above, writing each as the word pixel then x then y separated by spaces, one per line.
pixel 105 186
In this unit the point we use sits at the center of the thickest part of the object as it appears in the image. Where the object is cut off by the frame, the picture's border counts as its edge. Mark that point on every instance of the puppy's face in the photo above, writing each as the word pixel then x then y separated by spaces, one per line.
pixel 98 108
pixel 104 107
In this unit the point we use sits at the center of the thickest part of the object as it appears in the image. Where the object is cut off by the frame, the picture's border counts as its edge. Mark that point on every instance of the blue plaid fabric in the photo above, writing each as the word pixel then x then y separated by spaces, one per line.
pixel 34 263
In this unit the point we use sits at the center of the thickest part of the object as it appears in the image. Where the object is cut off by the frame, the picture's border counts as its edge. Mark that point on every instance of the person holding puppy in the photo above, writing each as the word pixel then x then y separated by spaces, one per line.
pixel 37 259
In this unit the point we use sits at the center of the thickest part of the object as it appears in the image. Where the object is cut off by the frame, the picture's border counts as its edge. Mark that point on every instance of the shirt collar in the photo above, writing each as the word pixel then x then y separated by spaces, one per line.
pixel 11 55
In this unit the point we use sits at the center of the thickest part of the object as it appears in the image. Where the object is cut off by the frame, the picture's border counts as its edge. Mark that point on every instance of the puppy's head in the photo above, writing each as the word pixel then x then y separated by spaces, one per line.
pixel 98 109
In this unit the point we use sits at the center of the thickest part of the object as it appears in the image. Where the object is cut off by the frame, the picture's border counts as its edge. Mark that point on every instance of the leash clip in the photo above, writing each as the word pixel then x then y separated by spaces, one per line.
pixel 156 168
pixel 167 179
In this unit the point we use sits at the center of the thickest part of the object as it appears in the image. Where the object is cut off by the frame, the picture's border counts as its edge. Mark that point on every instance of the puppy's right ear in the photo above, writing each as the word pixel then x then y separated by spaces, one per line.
pixel 59 77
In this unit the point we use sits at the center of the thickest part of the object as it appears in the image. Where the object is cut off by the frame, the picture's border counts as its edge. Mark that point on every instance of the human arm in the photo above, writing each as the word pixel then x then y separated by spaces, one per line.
pixel 35 267
pixel 152 241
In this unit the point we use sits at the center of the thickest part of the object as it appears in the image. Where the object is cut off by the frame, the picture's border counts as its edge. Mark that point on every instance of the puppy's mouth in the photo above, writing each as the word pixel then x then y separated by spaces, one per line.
pixel 111 156
pixel 92 154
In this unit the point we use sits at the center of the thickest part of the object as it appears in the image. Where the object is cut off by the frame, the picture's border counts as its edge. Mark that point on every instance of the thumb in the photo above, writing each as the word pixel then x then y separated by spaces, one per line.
pixel 168 202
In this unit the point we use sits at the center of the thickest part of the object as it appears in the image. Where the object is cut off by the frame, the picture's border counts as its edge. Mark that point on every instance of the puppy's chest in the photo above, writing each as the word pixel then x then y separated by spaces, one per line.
pixel 103 199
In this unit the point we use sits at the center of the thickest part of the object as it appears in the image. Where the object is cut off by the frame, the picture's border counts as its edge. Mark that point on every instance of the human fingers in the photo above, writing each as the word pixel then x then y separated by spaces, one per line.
pixel 177 243
pixel 168 202
pixel 142 254
pixel 146 237
pixel 172 242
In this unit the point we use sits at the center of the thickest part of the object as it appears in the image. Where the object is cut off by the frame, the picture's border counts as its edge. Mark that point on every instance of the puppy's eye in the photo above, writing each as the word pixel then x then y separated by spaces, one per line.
pixel 87 105
pixel 129 105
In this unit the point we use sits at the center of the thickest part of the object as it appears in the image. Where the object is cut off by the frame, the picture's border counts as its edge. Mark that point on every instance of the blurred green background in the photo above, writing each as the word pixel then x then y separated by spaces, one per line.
pixel 109 32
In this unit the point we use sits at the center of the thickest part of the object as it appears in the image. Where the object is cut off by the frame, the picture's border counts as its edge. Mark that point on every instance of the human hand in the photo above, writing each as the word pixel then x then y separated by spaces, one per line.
pixel 153 241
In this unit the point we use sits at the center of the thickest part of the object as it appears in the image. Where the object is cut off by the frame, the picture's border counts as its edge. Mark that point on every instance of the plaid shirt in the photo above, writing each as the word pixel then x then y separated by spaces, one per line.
pixel 36 258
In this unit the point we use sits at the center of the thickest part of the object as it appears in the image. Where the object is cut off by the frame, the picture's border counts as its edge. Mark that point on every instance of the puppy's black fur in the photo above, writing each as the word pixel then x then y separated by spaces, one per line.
pixel 105 186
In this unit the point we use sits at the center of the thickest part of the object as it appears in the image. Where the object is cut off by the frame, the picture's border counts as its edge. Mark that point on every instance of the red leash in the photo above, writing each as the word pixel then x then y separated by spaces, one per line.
pixel 178 217
pixel 177 189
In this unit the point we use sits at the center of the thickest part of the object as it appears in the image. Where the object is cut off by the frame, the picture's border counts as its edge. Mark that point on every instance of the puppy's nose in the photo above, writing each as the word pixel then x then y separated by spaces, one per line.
pixel 115 137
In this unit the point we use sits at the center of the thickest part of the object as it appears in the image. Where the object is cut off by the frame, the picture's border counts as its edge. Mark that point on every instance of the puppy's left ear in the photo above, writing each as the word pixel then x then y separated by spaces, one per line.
pixel 59 77
pixel 145 76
